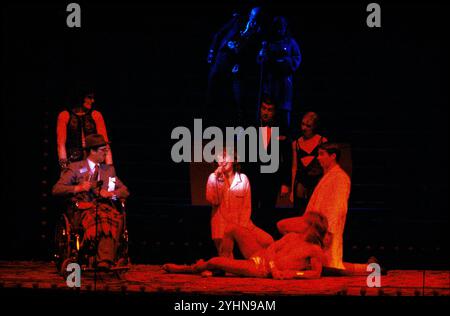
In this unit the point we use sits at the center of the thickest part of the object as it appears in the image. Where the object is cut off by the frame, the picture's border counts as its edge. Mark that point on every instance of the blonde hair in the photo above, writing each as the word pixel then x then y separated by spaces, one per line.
pixel 319 225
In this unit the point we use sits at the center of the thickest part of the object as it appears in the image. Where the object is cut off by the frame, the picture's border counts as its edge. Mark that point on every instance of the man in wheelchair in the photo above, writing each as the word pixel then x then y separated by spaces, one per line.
pixel 95 193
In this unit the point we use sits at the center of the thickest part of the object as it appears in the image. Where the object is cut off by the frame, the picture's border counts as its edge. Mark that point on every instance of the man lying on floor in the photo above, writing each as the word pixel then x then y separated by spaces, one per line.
pixel 330 199
pixel 295 256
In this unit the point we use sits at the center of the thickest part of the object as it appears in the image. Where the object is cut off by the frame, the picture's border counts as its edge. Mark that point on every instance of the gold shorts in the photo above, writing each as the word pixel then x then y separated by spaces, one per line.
pixel 261 265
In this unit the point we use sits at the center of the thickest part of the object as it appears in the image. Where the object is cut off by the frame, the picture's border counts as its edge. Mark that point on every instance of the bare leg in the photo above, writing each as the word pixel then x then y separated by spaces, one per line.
pixel 250 241
pixel 238 267
pixel 351 269
pixel 197 267
pixel 361 268
pixel 355 268
pixel 224 246
pixel 262 237
pixel 178 268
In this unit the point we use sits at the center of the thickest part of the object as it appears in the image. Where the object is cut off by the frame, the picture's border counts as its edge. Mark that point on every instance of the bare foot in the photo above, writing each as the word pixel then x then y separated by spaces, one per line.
pixel 207 274
pixel 375 260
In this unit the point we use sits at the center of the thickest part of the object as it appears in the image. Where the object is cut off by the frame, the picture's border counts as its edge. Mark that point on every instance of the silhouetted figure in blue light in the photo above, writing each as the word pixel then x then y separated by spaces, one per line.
pixel 280 58
pixel 232 58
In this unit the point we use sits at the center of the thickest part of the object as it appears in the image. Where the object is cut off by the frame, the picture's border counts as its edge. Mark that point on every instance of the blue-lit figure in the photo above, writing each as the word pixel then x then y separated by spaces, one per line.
pixel 231 58
pixel 280 57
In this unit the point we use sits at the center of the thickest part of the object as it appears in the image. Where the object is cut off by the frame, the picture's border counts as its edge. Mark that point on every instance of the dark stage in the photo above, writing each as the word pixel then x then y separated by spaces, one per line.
pixel 382 91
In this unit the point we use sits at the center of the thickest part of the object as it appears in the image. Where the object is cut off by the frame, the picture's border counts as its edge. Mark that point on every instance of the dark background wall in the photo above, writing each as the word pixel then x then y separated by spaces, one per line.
pixel 384 91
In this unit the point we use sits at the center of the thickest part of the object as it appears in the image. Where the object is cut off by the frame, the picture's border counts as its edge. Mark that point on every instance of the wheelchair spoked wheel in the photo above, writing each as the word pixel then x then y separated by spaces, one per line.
pixel 120 273
pixel 123 262
pixel 62 243
pixel 121 268
pixel 63 270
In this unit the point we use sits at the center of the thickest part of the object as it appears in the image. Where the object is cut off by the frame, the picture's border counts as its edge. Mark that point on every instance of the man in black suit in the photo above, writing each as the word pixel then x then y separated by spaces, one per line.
pixel 91 181
pixel 267 186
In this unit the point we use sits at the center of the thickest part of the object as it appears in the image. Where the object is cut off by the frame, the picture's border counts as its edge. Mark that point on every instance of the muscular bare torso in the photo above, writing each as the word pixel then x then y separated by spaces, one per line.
pixel 291 252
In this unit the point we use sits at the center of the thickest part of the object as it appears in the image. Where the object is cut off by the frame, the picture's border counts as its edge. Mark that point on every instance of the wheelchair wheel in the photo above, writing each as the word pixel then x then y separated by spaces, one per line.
pixel 63 270
pixel 122 257
pixel 62 242
pixel 123 262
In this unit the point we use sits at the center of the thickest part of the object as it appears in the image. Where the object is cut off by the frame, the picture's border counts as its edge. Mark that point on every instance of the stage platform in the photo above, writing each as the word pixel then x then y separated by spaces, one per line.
pixel 150 279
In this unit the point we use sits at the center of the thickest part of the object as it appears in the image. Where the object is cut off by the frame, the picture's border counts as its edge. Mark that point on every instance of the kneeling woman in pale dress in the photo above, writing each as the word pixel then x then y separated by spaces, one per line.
pixel 229 193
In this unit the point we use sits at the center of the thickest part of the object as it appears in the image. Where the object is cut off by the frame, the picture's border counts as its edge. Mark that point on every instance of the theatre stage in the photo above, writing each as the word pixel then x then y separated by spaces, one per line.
pixel 151 279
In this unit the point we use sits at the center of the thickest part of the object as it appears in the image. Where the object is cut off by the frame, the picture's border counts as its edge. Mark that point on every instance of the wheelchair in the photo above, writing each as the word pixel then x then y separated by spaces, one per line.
pixel 71 248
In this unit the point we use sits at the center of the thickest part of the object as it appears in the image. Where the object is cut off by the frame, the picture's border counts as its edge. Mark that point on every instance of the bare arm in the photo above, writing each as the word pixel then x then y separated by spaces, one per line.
pixel 61 134
pixel 294 167
pixel 101 129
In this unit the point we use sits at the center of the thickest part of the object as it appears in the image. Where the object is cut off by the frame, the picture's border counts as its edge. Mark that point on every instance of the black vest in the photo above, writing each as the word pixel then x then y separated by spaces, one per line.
pixel 77 126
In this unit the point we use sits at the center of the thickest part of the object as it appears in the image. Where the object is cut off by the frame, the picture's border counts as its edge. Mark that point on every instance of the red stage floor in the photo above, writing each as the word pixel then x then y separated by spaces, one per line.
pixel 151 279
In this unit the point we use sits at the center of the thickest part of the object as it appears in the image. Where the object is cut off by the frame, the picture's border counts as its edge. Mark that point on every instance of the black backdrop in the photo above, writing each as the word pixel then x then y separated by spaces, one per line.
pixel 384 91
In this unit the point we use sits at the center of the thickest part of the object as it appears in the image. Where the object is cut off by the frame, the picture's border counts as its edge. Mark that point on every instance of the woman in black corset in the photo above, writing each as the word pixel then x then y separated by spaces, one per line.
pixel 306 170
